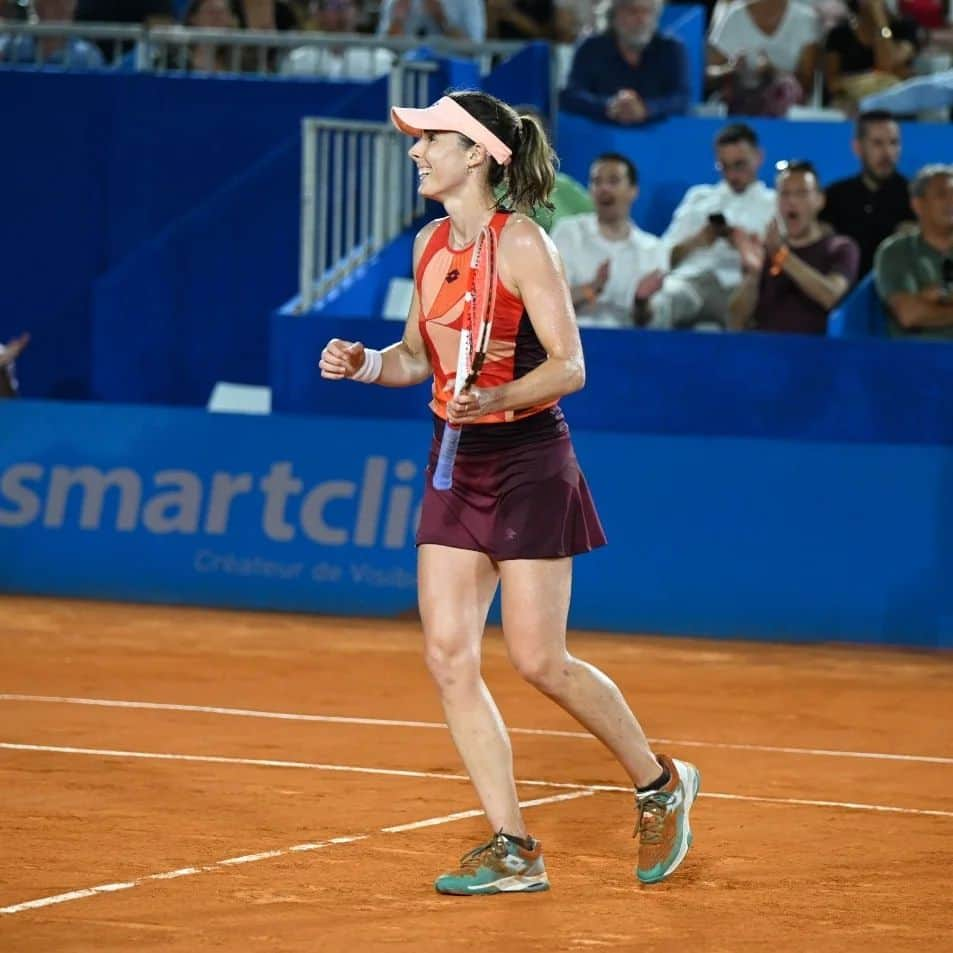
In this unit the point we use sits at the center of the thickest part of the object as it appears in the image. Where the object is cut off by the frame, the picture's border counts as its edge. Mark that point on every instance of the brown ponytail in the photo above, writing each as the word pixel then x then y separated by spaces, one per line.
pixel 530 175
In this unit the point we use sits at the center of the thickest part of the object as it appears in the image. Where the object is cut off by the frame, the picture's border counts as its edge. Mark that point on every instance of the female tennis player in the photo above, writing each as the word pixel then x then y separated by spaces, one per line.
pixel 517 507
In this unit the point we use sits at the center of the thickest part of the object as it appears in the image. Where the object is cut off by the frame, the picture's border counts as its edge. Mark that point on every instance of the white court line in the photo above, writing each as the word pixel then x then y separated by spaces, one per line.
pixel 265 855
pixel 393 723
pixel 400 773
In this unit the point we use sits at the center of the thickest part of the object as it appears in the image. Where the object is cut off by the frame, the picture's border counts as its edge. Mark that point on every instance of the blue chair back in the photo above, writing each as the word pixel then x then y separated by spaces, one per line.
pixel 860 315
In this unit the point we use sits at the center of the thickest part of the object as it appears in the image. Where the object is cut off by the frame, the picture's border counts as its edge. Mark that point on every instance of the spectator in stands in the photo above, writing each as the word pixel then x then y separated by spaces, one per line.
pixel 706 265
pixel 214 15
pixel 630 73
pixel 521 19
pixel 870 206
pixel 70 53
pixel 762 55
pixel 456 19
pixel 337 62
pixel 914 271
pixel 612 266
pixel 798 272
pixel 9 352
pixel 867 52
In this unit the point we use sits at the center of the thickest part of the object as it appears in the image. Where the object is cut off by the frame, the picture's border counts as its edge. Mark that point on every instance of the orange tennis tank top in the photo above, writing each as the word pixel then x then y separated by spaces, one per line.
pixel 443 277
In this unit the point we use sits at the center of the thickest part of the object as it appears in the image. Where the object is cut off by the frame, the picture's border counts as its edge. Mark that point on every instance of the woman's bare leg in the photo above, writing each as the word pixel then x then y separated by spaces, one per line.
pixel 456 587
pixel 535 596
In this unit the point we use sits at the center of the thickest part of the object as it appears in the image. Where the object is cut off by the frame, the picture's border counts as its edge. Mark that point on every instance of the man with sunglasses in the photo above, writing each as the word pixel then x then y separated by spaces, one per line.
pixel 798 272
pixel 705 264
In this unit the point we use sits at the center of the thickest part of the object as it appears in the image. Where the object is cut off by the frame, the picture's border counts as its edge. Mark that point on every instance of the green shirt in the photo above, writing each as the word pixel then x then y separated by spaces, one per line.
pixel 568 197
pixel 907 264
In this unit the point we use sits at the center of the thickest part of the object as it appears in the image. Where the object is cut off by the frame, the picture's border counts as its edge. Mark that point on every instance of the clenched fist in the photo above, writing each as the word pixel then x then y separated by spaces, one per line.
pixel 341 359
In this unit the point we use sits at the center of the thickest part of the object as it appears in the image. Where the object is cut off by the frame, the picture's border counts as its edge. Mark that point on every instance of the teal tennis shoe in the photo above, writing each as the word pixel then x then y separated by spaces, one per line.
pixel 663 828
pixel 502 865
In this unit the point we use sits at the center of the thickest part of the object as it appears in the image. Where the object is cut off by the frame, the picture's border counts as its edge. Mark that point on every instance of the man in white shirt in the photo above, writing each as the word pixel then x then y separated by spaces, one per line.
pixel 612 266
pixel 456 19
pixel 705 264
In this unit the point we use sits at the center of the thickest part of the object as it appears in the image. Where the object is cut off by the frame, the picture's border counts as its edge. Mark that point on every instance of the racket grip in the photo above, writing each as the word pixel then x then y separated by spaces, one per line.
pixel 443 472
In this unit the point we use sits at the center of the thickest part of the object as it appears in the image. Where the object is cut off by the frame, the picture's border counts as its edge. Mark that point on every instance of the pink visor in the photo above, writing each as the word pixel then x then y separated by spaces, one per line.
pixel 447 115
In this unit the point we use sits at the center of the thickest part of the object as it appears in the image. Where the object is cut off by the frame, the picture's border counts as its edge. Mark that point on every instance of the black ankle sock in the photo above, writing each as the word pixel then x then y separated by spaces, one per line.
pixel 658 783
pixel 526 843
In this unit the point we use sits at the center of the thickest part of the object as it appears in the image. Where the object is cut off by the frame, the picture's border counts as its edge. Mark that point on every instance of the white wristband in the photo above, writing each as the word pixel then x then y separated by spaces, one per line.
pixel 370 370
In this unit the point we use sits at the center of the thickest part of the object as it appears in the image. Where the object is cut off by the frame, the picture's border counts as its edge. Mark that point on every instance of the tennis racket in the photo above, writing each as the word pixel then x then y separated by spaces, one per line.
pixel 479 304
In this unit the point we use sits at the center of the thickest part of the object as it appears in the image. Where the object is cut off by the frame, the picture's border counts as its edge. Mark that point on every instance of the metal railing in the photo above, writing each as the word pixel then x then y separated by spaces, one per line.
pixel 171 48
pixel 114 41
pixel 358 189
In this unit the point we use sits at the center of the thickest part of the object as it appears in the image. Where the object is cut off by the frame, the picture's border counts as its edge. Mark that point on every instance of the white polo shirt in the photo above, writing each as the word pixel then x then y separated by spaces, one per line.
pixel 584 248
pixel 751 210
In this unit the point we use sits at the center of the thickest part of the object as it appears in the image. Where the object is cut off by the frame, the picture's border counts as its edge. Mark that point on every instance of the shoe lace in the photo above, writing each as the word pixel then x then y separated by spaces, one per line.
pixel 652 808
pixel 474 858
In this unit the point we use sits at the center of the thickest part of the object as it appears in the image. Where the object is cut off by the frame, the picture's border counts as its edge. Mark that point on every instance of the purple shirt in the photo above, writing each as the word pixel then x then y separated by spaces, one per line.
pixel 783 306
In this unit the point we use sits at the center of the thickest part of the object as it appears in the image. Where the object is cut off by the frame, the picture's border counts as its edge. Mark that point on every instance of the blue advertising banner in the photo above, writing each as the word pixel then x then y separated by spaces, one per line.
pixel 183 506
pixel 723 536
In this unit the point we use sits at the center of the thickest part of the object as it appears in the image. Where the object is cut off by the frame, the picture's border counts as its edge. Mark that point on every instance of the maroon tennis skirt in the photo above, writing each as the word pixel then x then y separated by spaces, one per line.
pixel 517 493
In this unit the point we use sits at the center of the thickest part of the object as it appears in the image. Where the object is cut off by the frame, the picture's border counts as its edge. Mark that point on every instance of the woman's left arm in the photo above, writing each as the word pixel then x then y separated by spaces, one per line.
pixel 530 265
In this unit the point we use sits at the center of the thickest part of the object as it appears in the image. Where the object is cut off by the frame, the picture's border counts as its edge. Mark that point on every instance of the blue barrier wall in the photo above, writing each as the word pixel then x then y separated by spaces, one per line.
pixel 678 153
pixel 95 165
pixel 716 536
pixel 188 308
pixel 751 385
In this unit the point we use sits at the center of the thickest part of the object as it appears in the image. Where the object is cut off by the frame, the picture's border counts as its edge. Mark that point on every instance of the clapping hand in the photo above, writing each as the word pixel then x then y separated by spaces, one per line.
pixel 773 239
pixel 752 251
pixel 649 284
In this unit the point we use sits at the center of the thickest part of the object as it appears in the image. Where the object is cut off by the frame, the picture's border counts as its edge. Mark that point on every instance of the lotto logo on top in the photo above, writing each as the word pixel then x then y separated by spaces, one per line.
pixel 380 509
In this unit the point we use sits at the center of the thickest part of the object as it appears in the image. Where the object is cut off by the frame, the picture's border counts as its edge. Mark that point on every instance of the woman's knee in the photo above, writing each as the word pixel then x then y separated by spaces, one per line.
pixel 547 671
pixel 452 662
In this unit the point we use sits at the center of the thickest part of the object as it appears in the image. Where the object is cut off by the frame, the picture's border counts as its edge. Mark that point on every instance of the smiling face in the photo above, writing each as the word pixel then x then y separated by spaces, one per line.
pixel 442 160
pixel 800 201
pixel 612 190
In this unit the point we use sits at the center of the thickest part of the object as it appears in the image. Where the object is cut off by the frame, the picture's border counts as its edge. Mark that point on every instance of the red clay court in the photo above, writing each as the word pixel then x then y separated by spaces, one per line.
pixel 181 779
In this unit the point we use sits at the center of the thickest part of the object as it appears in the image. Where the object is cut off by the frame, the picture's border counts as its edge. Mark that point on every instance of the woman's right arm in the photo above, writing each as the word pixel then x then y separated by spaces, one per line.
pixel 402 364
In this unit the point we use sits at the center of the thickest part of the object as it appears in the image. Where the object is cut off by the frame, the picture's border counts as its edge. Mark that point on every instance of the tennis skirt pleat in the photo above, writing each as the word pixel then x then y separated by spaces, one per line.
pixel 529 501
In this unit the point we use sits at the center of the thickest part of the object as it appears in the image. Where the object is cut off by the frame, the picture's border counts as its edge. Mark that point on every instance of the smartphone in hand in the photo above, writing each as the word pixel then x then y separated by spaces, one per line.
pixel 719 224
